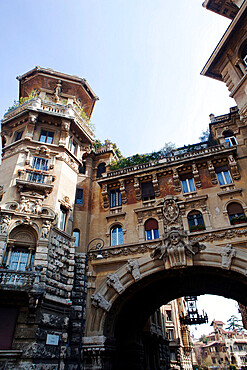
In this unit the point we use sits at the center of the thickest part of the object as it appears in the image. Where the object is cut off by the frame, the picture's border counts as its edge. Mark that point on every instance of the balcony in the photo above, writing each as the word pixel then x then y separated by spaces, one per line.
pixel 66 111
pixel 24 281
pixel 35 179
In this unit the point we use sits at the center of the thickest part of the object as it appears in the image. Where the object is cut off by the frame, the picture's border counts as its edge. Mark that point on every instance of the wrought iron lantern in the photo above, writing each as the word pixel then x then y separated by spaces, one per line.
pixel 193 317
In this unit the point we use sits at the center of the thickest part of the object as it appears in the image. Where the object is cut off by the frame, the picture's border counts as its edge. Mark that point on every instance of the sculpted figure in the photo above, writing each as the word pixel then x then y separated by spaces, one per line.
pixel 37 206
pixel 133 268
pixel 98 300
pixel 46 229
pixel 227 254
pixel 114 281
pixel 24 205
pixel 175 249
pixel 4 223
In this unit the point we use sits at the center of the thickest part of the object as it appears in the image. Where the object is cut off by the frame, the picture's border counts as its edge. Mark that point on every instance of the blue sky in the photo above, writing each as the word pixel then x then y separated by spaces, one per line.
pixel 141 57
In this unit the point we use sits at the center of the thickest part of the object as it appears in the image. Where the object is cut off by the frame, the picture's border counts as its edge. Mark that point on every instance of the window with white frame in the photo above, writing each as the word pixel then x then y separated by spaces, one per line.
pixel 188 185
pixel 223 175
pixel 116 235
pixel 230 137
pixel 151 229
pixel 115 198
pixel 46 136
pixel 62 218
pixel 40 163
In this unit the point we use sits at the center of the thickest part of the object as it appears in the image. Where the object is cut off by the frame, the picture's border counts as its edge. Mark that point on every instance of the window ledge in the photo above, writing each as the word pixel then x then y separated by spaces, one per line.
pixel 119 213
pixel 10 353
pixel 148 203
pixel 190 194
pixel 226 191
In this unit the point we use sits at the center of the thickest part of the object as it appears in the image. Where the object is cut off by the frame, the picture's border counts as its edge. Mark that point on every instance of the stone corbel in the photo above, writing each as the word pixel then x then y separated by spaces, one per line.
pixel 137 188
pixel 196 176
pixel 105 196
pixel 65 126
pixel 156 185
pixel 233 167
pixel 212 173
pixel 32 120
pixel 176 180
pixel 240 64
pixel 123 191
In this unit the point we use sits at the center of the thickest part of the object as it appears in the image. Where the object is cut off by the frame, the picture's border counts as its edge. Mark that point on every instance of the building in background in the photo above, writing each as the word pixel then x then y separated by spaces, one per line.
pixel 222 349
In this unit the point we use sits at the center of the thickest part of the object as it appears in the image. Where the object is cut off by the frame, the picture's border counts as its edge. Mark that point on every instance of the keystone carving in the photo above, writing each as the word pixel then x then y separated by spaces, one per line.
pixel 227 254
pixel 174 248
pixel 98 300
pixel 114 282
pixel 133 268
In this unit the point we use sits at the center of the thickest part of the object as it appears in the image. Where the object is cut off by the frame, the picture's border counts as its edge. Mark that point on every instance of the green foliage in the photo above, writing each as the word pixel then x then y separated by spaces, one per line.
pixel 233 323
pixel 204 339
pixel 99 144
pixel 136 159
pixel 207 135
pixel 33 94
pixel 85 117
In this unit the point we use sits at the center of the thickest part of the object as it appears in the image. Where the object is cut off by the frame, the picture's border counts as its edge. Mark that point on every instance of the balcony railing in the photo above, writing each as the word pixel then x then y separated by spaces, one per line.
pixel 19 280
pixel 169 160
pixel 37 104
pixel 35 178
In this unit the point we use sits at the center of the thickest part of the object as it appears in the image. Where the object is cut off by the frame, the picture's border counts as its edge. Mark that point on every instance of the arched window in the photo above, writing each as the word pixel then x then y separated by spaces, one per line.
pixel 151 229
pixel 101 169
pixel 230 137
pixel 195 221
pixel 20 252
pixel 76 235
pixel 116 235
pixel 236 213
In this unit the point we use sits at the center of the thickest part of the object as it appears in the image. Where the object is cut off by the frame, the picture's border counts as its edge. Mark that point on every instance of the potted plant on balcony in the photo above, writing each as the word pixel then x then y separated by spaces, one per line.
pixel 194 228
pixel 238 220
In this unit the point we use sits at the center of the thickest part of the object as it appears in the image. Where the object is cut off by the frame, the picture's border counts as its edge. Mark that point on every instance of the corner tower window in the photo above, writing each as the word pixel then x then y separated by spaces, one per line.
pixel 79 196
pixel 46 136
pixel 151 229
pixel 101 169
pixel 230 137
pixel 62 218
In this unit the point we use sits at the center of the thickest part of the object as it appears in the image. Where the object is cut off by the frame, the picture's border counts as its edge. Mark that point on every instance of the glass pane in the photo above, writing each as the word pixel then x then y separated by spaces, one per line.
pixel 149 235
pixel 76 235
pixel 42 137
pixel 227 177
pixel 185 186
pixel 50 137
pixel 156 234
pixel 119 198
pixel 191 185
pixel 113 199
pixel 220 178
pixel 114 237
pixel 120 236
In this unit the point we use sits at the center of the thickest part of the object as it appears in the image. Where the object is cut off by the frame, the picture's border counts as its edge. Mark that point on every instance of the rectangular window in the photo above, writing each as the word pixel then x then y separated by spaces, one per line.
pixel 18 135
pixel 79 196
pixel 232 140
pixel 188 185
pixel 72 146
pixel 62 218
pixel 147 191
pixel 46 136
pixel 223 176
pixel 40 163
pixel 36 177
pixel 115 198
pixel 152 234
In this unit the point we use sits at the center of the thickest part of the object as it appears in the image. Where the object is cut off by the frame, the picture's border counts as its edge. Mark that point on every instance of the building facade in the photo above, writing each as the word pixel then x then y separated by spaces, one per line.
pixel 88 252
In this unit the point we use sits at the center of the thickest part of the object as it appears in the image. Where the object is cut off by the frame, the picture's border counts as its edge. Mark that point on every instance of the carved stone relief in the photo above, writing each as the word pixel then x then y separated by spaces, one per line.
pixel 175 249
pixel 46 229
pixel 156 185
pixel 123 191
pixel 170 209
pixel 196 176
pixel 137 188
pixel 114 282
pixel 227 254
pixel 133 268
pixel 176 180
pixel 212 173
pixel 4 223
pixel 233 167
pixel 98 300
pixel 105 196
